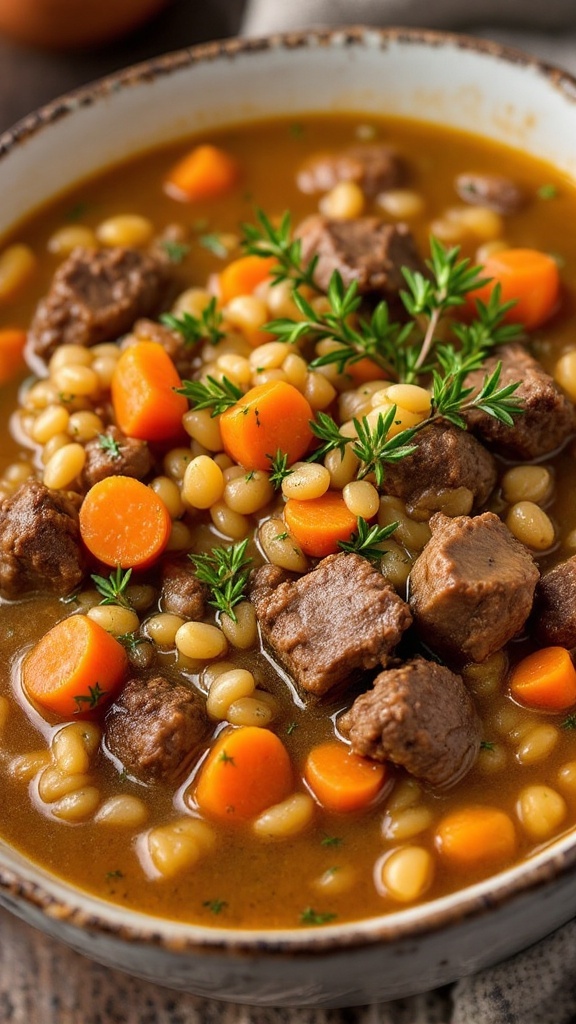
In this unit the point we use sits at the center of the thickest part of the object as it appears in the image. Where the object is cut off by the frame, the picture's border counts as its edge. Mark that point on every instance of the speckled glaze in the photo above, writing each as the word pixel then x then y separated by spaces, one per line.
pixel 437 77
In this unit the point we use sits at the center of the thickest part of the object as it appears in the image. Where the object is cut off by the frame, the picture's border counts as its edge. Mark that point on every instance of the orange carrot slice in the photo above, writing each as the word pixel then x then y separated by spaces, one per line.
pixel 76 667
pixel 529 277
pixel 145 402
pixel 476 836
pixel 545 679
pixel 204 173
pixel 267 418
pixel 320 524
pixel 247 770
pixel 340 780
pixel 123 522
pixel 12 342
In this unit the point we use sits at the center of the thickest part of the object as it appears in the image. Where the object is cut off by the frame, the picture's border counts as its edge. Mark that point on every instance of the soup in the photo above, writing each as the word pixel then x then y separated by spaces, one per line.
pixel 277 645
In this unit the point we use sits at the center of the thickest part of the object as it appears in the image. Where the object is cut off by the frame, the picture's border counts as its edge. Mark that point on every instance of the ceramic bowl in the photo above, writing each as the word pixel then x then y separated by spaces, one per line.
pixel 441 78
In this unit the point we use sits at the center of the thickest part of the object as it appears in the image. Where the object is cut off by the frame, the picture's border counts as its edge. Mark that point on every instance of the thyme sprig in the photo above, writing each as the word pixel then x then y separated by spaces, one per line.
pixel 403 351
pixel 367 539
pixel 113 587
pixel 225 572
pixel 279 468
pixel 206 327
pixel 217 395
pixel 266 239
pixel 373 446
pixel 380 339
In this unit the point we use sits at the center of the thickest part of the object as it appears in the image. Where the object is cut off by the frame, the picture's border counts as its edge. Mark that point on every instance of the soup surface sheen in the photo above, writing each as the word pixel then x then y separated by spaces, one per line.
pixel 158 832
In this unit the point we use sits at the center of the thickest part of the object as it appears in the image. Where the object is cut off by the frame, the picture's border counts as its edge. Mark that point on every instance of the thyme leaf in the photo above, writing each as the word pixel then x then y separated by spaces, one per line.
pixel 225 572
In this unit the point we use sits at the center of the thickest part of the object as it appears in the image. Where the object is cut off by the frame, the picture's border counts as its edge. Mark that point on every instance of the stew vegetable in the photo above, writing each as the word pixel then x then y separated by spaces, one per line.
pixel 287 523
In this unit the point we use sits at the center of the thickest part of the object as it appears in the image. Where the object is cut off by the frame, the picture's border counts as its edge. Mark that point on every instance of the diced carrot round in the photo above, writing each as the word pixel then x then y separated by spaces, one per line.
pixel 125 523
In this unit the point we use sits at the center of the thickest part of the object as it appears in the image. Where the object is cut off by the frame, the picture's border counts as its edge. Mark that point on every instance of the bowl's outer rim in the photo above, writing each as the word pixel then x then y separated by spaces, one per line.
pixel 49 893
pixel 354 35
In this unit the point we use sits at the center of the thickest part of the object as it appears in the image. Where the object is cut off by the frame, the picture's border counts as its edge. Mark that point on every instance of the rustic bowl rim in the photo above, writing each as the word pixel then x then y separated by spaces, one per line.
pixel 58 899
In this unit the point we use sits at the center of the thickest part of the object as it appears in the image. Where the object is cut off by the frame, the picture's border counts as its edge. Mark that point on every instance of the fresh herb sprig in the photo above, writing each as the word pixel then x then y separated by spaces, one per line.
pixel 266 239
pixel 367 539
pixel 225 572
pixel 206 327
pixel 403 351
pixel 113 587
pixel 379 338
pixel 372 446
pixel 217 395
pixel 109 445
pixel 279 468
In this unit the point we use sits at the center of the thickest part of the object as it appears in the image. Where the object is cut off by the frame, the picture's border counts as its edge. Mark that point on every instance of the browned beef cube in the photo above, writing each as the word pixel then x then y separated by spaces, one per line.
pixel 114 454
pixel 182 355
pixel 472 587
pixel 374 167
pixel 419 716
pixel 40 546
pixel 338 619
pixel 446 459
pixel 155 728
pixel 365 250
pixel 491 190
pixel 554 617
pixel 547 419
pixel 182 592
pixel 96 295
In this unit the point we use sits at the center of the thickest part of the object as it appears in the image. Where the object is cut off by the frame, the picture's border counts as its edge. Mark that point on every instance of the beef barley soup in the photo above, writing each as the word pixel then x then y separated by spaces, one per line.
pixel 287 523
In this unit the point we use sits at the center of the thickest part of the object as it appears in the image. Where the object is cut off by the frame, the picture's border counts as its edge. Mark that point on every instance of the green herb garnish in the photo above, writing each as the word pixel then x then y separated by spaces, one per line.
pixel 217 395
pixel 225 572
pixel 313 917
pixel 175 251
pixel 367 538
pixel 86 702
pixel 109 445
pixel 113 587
pixel 194 329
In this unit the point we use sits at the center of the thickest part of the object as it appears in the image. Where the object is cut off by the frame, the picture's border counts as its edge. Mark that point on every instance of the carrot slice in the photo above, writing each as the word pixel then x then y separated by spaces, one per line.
pixel 529 277
pixel 476 836
pixel 247 770
pixel 241 276
pixel 76 667
pixel 145 402
pixel 204 173
pixel 320 523
pixel 545 679
pixel 340 780
pixel 12 342
pixel 125 523
pixel 269 417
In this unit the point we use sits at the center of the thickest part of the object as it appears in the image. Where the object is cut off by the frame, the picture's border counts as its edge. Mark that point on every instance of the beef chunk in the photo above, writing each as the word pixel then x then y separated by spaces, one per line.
pixel 472 587
pixel 182 592
pixel 554 618
pixel 39 542
pixel 373 167
pixel 182 355
pixel 341 617
pixel 155 728
pixel 446 459
pixel 491 190
pixel 96 295
pixel 420 716
pixel 365 250
pixel 547 419
pixel 119 456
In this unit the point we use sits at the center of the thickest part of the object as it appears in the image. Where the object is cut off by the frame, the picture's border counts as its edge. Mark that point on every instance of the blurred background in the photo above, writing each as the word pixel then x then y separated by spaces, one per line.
pixel 48 47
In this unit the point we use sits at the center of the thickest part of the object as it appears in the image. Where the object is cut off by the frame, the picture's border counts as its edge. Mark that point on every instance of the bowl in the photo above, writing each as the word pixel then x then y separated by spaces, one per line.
pixel 437 77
